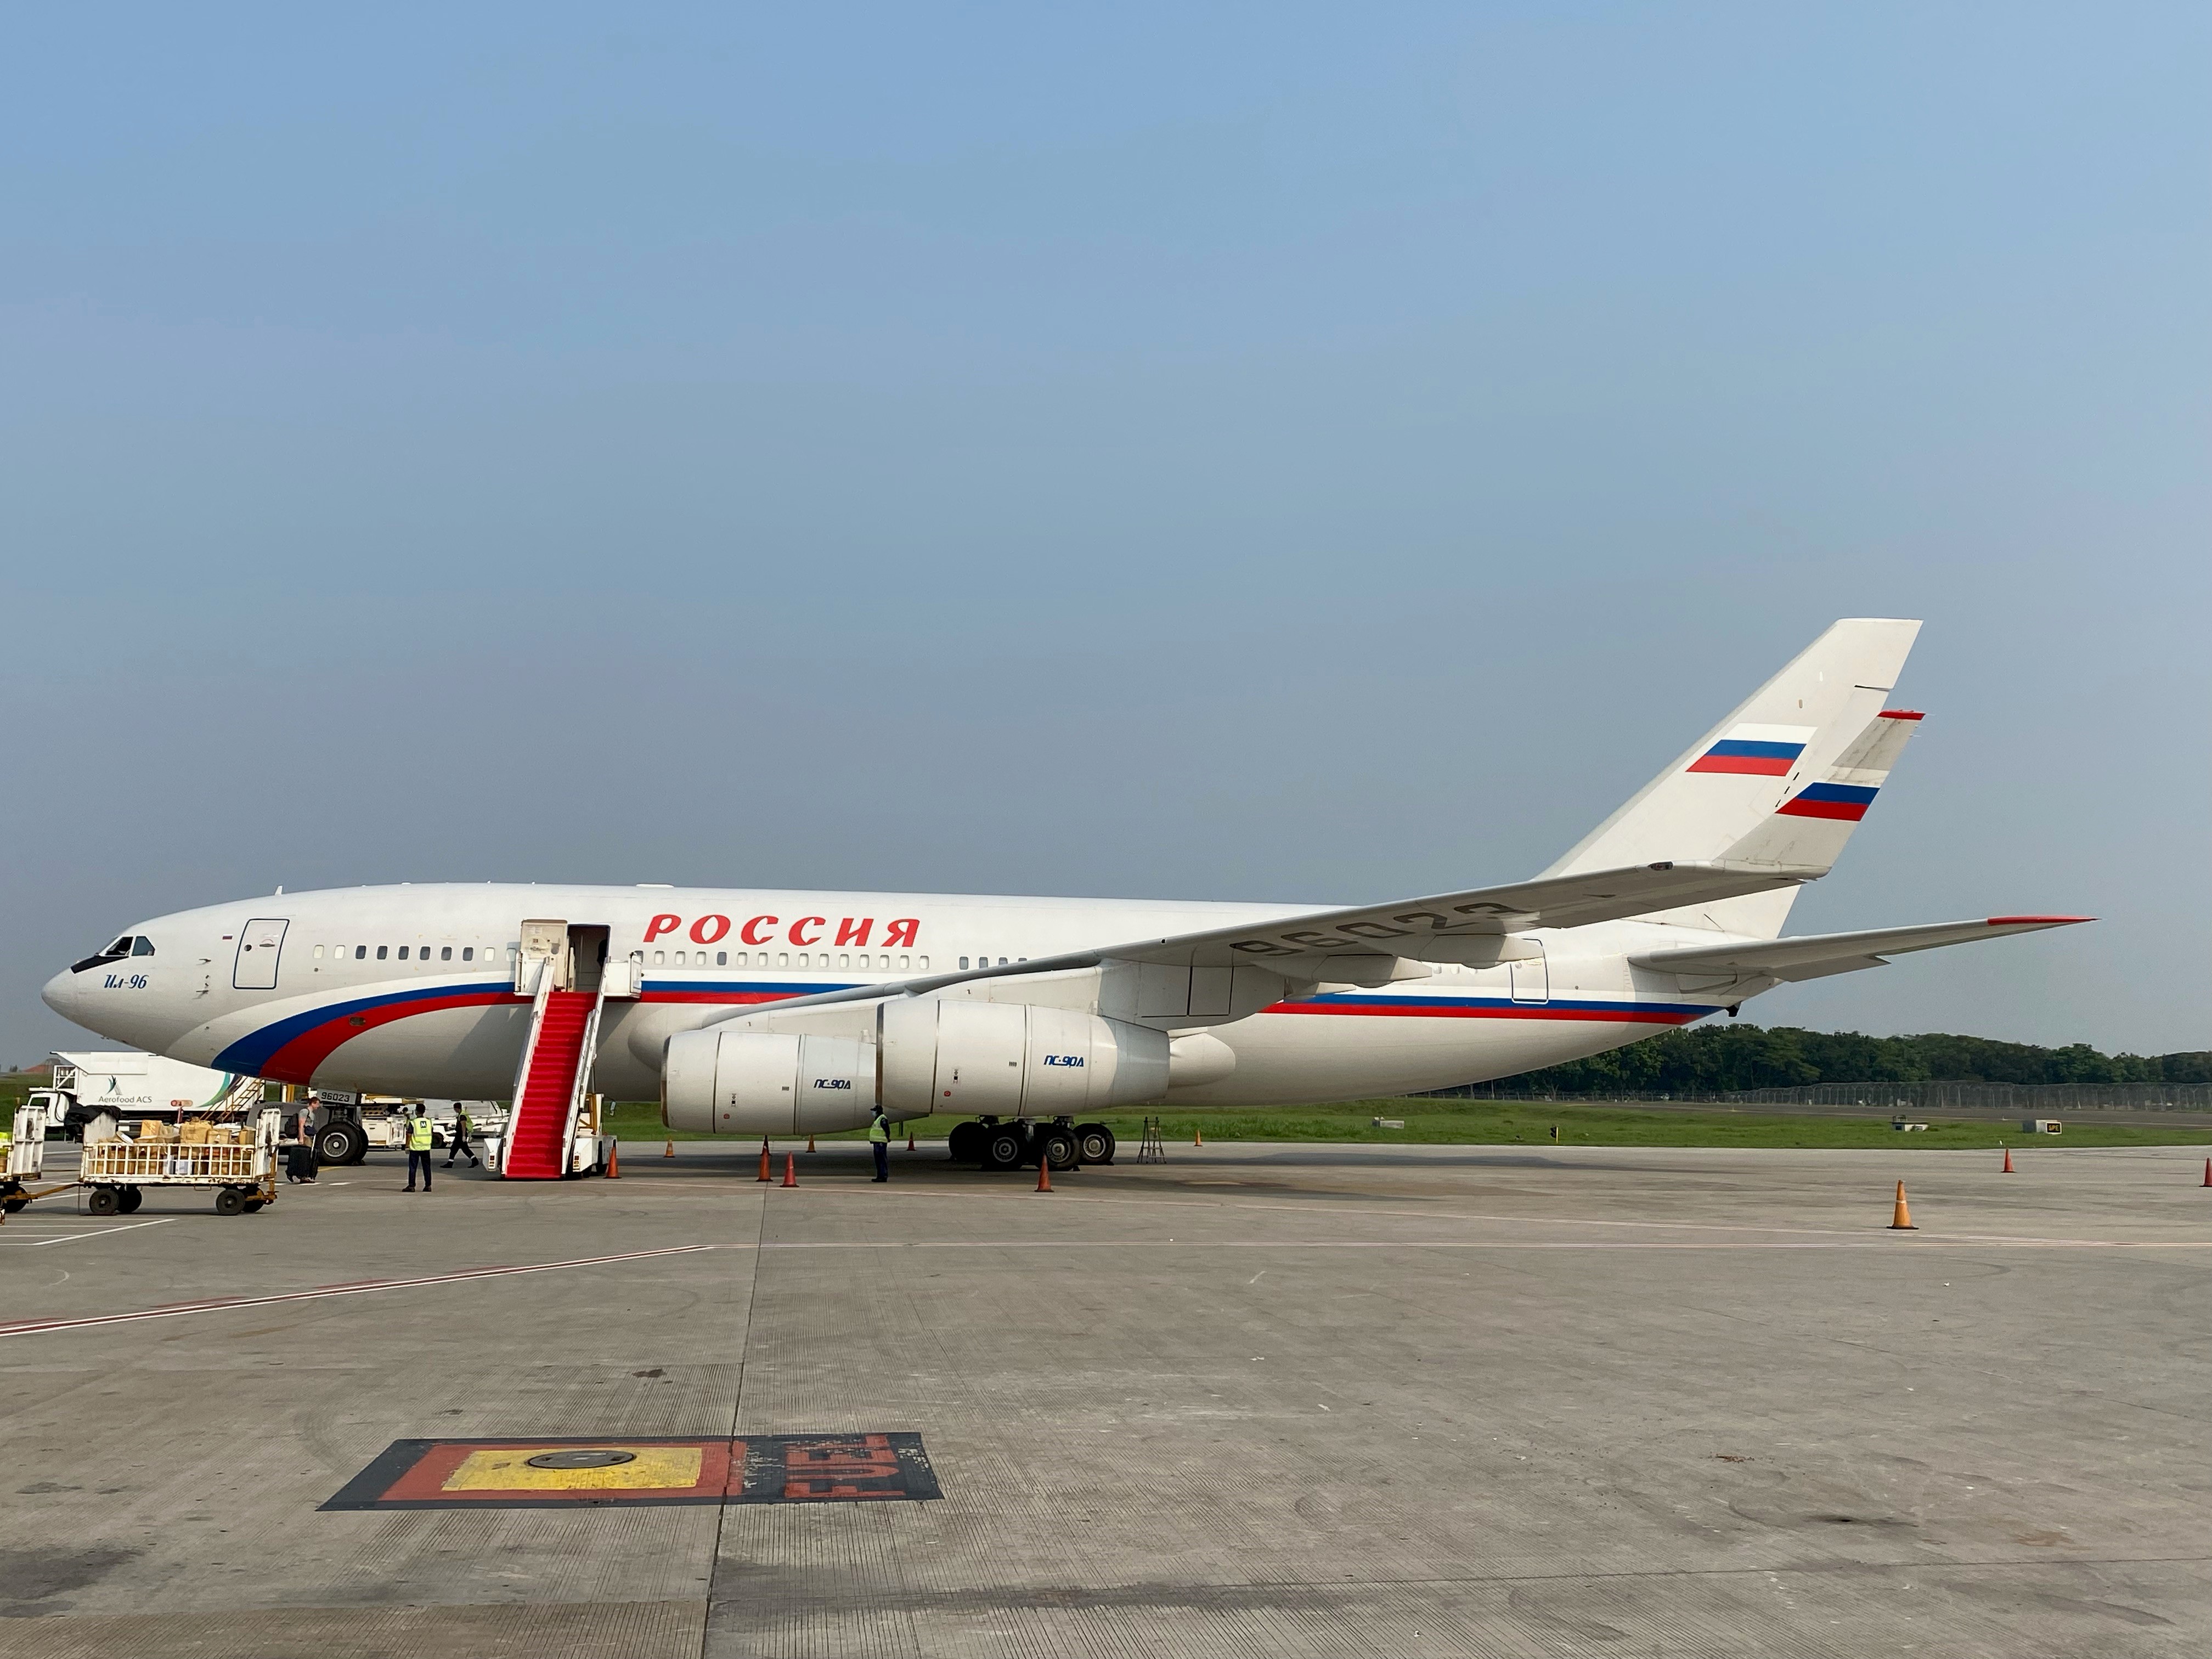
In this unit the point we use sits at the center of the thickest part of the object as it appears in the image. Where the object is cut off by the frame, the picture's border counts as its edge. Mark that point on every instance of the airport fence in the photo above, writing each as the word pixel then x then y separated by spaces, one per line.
pixel 2028 1099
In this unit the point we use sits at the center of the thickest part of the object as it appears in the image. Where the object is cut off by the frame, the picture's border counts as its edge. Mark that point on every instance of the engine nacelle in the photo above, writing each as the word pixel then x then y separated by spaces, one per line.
pixel 1013 1059
pixel 766 1083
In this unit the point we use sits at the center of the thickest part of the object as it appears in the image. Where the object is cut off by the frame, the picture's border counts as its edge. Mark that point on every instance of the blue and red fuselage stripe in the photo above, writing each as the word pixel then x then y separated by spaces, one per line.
pixel 289 1050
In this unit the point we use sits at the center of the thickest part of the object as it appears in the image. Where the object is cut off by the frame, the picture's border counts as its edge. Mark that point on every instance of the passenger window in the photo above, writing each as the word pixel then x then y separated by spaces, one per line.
pixel 446 953
pixel 721 958
pixel 382 951
pixel 901 961
pixel 679 958
pixel 142 946
pixel 964 962
pixel 318 953
pixel 1002 962
pixel 359 951
pixel 783 958
pixel 660 959
pixel 925 964
pixel 468 953
pixel 403 953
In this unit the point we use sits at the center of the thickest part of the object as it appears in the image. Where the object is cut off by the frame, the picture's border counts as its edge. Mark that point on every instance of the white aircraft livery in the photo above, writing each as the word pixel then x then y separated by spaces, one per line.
pixel 753 1011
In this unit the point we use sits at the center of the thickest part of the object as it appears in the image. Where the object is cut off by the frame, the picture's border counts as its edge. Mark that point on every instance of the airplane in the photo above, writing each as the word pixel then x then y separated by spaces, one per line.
pixel 754 1012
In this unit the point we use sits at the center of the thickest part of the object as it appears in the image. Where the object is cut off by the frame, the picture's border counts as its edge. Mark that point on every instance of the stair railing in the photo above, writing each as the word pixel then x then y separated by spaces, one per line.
pixel 522 1072
pixel 580 1086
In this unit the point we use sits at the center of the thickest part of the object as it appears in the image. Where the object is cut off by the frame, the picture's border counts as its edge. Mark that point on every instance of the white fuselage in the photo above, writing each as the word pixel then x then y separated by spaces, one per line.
pixel 410 990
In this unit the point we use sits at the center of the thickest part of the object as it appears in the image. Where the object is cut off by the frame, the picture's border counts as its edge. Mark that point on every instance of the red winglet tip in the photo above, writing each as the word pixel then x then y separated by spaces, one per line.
pixel 1902 715
pixel 2047 921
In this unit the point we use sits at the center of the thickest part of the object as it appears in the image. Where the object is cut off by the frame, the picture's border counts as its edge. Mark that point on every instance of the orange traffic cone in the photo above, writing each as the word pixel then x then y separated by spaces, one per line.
pixel 765 1173
pixel 2208 1171
pixel 790 1170
pixel 669 1151
pixel 1044 1173
pixel 2007 1168
pixel 1902 1221
pixel 614 1161
pixel 810 1143
pixel 1198 1137
pixel 910 1140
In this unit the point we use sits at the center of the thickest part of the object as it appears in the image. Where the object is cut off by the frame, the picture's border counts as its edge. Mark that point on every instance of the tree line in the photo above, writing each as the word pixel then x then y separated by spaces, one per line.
pixel 1721 1058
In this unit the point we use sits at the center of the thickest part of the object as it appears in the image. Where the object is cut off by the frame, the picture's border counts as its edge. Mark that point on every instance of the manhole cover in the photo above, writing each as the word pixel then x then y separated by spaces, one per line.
pixel 579 1459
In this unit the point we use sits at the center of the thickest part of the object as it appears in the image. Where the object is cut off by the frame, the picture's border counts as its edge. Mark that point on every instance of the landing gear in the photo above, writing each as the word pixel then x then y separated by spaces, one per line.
pixel 1094 1143
pixel 965 1143
pixel 1056 1146
pixel 1005 1147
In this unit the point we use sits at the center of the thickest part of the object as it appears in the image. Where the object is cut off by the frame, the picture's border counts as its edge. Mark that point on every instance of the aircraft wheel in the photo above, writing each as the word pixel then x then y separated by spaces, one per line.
pixel 102 1201
pixel 230 1201
pixel 131 1199
pixel 965 1143
pixel 1094 1143
pixel 1056 1147
pixel 1005 1147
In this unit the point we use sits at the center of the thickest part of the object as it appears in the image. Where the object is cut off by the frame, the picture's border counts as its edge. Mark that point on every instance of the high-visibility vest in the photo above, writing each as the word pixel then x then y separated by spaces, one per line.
pixel 878 1130
pixel 418 1135
pixel 462 1124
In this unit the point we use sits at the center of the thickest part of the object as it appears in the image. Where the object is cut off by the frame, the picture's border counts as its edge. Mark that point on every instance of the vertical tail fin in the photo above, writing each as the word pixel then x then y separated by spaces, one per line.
pixel 1793 732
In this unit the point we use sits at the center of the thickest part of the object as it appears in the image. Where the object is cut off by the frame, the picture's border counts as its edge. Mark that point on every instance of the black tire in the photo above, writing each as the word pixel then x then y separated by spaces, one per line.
pixel 341 1143
pixel 253 1206
pixel 12 1205
pixel 131 1199
pixel 1005 1147
pixel 965 1143
pixel 230 1201
pixel 1056 1147
pixel 102 1201
pixel 1094 1143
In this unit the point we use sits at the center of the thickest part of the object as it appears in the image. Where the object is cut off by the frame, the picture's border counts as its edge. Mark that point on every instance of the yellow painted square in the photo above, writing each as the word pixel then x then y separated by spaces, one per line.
pixel 507 1469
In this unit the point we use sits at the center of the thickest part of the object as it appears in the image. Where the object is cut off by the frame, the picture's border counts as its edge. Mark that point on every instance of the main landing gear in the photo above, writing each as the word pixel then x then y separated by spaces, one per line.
pixel 1019 1143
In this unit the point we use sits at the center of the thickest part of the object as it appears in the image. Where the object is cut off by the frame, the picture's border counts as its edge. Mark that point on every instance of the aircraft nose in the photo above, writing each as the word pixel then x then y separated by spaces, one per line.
pixel 60 995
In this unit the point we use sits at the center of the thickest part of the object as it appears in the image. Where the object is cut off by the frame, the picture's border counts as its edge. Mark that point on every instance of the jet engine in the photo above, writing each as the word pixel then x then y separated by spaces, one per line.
pixel 1013 1059
pixel 766 1083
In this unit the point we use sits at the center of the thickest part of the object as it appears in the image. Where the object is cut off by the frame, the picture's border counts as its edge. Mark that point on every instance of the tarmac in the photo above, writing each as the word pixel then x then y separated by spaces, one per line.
pixel 1260 1399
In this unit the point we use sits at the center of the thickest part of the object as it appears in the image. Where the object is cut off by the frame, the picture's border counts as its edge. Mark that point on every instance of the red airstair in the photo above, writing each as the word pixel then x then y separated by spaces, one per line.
pixel 564 1032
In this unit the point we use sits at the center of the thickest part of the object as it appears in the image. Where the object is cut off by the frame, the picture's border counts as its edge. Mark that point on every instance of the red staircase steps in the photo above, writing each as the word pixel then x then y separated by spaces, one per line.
pixel 541 1110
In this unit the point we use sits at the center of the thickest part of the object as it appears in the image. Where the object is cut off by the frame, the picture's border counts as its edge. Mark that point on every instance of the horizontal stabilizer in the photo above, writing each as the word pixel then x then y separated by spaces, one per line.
pixel 1814 956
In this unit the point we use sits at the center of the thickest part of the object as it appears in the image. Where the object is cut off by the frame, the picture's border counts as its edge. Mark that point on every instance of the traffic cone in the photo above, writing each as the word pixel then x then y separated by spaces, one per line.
pixel 1902 1221
pixel 669 1151
pixel 810 1143
pixel 765 1173
pixel 2208 1171
pixel 2007 1168
pixel 790 1170
pixel 910 1140
pixel 1044 1173
pixel 1198 1137
pixel 614 1161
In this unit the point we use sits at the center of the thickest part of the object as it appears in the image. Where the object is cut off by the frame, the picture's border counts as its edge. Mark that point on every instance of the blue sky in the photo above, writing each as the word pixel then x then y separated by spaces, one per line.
pixel 1231 451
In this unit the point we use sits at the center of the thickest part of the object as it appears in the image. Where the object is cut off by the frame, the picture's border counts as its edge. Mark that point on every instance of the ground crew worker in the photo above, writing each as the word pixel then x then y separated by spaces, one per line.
pixel 460 1147
pixel 419 1142
pixel 880 1142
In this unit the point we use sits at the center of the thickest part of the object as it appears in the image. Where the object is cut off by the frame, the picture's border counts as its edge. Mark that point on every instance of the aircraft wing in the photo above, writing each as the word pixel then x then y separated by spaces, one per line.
pixel 1817 955
pixel 1457 926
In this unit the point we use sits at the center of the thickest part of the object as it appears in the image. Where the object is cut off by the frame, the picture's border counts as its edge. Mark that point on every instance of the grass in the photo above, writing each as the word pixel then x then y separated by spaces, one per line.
pixel 1504 1123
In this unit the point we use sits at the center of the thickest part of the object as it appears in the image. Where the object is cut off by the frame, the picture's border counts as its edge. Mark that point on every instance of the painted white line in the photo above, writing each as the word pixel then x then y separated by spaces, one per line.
pixel 222 1304
pixel 79 1238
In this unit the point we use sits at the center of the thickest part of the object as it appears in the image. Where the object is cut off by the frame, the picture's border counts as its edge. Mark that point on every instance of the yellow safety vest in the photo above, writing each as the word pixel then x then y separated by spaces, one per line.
pixel 418 1135
pixel 878 1130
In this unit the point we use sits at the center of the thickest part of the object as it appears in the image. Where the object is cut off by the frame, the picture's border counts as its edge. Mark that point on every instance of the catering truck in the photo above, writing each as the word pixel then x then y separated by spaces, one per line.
pixel 124 1084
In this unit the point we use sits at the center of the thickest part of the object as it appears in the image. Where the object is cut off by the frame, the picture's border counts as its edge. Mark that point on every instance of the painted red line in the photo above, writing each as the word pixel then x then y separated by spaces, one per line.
pixel 218 1304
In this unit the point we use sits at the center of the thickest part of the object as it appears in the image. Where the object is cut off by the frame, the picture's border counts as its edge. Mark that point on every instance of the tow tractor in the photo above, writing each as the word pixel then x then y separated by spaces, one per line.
pixel 27 1154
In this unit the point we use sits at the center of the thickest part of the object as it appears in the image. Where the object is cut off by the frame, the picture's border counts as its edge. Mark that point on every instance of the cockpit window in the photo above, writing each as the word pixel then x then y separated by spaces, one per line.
pixel 114 952
pixel 142 946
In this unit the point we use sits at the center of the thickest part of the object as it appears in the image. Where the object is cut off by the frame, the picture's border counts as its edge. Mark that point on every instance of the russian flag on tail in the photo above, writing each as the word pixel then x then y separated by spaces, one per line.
pixel 1866 764
pixel 1763 751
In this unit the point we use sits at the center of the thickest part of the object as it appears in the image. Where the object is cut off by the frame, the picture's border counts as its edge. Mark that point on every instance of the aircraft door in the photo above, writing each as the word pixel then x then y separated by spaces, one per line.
pixel 544 950
pixel 1532 977
pixel 260 943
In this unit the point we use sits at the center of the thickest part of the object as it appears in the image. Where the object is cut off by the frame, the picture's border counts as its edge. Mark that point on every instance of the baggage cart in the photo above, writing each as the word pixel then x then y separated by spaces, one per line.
pixel 241 1174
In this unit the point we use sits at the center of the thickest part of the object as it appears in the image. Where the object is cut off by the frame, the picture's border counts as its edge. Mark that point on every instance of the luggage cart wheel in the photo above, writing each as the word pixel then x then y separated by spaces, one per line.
pixel 230 1201
pixel 253 1206
pixel 130 1199
pixel 103 1201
